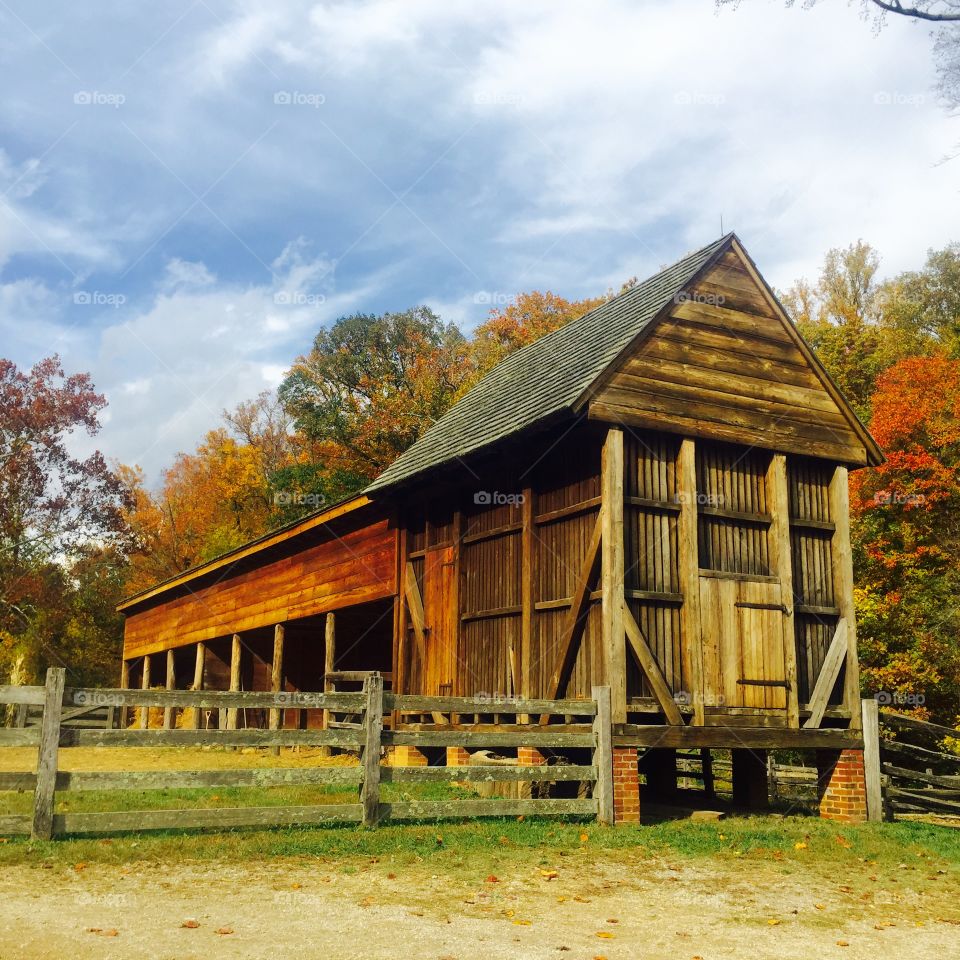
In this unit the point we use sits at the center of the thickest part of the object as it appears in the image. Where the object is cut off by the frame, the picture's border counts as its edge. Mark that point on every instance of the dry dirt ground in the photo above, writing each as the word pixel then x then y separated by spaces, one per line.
pixel 621 905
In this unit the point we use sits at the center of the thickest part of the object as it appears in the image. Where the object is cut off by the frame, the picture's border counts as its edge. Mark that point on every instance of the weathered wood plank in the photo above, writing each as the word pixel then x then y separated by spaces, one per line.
pixel 842 556
pixel 689 575
pixel 832 664
pixel 443 810
pixel 29 696
pixel 231 738
pixel 415 608
pixel 669 736
pixel 603 756
pixel 612 573
pixel 778 497
pixel 15 825
pixel 19 782
pixel 217 818
pixel 488 774
pixel 28 737
pixel 372 730
pixel 648 664
pixel 871 759
pixel 510 705
pixel 922 726
pixel 341 702
pixel 203 779
pixel 46 785
pixel 538 736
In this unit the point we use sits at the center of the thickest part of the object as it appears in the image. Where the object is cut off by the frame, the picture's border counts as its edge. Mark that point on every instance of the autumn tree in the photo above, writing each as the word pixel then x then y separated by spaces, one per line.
pixel 367 390
pixel 53 505
pixel 526 318
pixel 906 533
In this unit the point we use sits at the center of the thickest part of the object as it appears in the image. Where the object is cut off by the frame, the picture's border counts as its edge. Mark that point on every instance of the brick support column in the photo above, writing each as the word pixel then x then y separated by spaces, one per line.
pixel 407 757
pixel 458 757
pixel 626 786
pixel 529 757
pixel 842 785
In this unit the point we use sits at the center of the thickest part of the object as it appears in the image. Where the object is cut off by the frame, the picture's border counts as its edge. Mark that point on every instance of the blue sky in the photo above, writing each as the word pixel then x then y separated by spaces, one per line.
pixel 191 189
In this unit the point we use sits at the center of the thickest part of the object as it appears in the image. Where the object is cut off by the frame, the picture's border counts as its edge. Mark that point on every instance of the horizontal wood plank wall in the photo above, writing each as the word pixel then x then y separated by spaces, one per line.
pixel 355 566
pixel 723 366
pixel 816 610
pixel 652 579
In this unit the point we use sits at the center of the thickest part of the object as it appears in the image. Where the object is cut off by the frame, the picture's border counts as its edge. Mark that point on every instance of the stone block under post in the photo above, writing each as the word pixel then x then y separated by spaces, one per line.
pixel 842 785
pixel 458 757
pixel 407 757
pixel 750 789
pixel 626 786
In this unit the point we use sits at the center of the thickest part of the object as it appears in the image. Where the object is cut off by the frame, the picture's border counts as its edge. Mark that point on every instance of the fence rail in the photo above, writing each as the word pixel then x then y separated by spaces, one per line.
pixel 368 739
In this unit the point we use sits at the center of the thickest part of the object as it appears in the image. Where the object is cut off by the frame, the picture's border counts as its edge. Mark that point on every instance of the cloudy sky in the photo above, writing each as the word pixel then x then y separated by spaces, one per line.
pixel 191 189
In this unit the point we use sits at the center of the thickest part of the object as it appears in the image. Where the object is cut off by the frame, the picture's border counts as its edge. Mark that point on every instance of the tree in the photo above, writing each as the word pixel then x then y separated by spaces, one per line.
pixel 527 318
pixel 906 535
pixel 846 318
pixel 53 504
pixel 367 390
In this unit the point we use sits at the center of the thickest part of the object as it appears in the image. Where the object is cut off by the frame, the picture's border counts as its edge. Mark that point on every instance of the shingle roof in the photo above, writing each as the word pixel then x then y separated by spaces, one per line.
pixel 547 377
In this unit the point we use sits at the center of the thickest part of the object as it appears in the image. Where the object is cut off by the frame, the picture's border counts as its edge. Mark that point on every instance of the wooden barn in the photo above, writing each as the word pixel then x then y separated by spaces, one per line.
pixel 653 497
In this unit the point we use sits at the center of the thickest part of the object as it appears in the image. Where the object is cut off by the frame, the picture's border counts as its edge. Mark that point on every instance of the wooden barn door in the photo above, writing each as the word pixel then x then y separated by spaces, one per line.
pixel 742 630
pixel 440 610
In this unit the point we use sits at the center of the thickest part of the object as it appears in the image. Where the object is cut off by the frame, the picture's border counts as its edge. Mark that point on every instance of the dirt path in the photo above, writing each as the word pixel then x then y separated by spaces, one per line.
pixel 631 908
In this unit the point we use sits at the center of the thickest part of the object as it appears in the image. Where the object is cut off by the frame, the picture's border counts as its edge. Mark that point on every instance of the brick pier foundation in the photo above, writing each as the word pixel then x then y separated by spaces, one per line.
pixel 842 785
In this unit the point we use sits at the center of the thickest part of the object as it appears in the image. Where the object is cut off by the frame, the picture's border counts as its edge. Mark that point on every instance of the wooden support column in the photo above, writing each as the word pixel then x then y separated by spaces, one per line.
pixel 171 685
pixel 46 785
pixel 401 641
pixel 198 680
pixel 276 678
pixel 124 685
pixel 611 577
pixel 145 685
pixel 235 655
pixel 781 565
pixel 843 587
pixel 749 774
pixel 329 659
pixel 528 598
pixel 689 562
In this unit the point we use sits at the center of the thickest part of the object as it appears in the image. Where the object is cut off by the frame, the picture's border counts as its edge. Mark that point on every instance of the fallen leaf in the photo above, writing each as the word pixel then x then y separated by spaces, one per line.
pixel 522 923
pixel 581 899
pixel 521 818
pixel 549 874
pixel 79 866
pixel 846 844
pixel 493 879
pixel 800 846
pixel 604 935
pixel 843 943
pixel 225 931
pixel 296 886
pixel 583 838
pixel 774 922
pixel 190 924
pixel 819 906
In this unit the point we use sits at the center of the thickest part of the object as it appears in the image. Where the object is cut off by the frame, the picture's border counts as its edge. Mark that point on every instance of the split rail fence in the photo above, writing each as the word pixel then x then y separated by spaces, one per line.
pixel 581 724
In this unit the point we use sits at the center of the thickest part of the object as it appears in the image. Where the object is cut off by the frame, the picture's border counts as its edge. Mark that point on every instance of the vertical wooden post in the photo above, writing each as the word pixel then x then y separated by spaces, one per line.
pixel 611 511
pixel 276 679
pixel 843 587
pixel 527 595
pixel 870 711
pixel 603 755
pixel 145 685
pixel 124 685
pixel 235 653
pixel 372 729
pixel 781 565
pixel 329 659
pixel 171 685
pixel 690 574
pixel 198 680
pixel 45 791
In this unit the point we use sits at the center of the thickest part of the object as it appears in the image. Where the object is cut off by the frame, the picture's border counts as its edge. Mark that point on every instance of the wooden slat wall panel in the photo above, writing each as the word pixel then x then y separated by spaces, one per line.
pixel 812 555
pixel 353 567
pixel 733 478
pixel 723 366
pixel 651 554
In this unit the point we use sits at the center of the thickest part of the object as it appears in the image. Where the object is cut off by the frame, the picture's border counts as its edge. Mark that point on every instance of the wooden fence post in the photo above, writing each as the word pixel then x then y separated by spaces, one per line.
pixel 145 685
pixel 870 714
pixel 603 755
pixel 372 728
pixel 198 680
pixel 171 685
pixel 124 685
pixel 235 654
pixel 47 755
pixel 276 679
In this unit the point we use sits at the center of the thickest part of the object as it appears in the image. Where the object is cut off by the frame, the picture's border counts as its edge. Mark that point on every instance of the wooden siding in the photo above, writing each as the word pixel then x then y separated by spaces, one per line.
pixel 355 566
pixel 722 364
